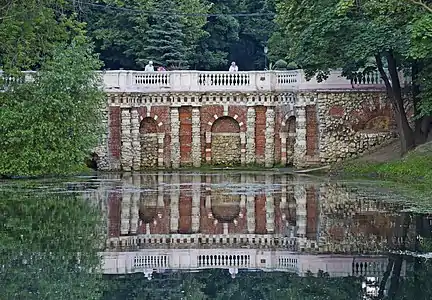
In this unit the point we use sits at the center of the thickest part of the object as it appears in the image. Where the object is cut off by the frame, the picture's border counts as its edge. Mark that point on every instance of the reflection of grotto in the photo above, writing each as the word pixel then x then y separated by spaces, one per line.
pixel 225 208
pixel 148 210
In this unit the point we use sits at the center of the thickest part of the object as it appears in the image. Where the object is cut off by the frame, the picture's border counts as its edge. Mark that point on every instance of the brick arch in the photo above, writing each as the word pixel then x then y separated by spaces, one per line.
pixel 373 118
pixel 215 118
pixel 149 143
pixel 226 141
pixel 155 117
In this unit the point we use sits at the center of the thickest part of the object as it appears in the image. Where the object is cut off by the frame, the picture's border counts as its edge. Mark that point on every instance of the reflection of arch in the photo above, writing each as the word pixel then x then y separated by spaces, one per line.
pixel 149 142
pixel 226 208
pixel 226 142
pixel 148 208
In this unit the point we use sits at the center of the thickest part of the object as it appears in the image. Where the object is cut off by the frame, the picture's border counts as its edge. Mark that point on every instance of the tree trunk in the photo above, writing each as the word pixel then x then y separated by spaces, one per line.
pixel 394 93
pixel 421 124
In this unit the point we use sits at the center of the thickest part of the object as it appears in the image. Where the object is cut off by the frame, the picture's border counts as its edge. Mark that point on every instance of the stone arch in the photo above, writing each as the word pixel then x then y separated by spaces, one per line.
pixel 149 143
pixel 226 142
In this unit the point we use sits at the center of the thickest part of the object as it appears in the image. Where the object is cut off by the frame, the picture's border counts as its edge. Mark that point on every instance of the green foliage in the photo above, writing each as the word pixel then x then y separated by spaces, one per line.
pixel 31 29
pixel 49 245
pixel 50 125
pixel 166 40
pixel 127 33
pixel 280 65
pixel 414 168
pixel 217 284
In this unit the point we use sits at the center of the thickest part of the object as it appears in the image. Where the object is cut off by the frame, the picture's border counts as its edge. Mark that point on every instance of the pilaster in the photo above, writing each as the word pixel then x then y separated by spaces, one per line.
pixel 250 209
pixel 269 135
pixel 126 206
pixel 135 138
pixel 301 213
pixel 126 140
pixel 250 135
pixel 300 143
pixel 270 209
pixel 196 137
pixel 134 218
pixel 175 138
pixel 174 203
pixel 196 200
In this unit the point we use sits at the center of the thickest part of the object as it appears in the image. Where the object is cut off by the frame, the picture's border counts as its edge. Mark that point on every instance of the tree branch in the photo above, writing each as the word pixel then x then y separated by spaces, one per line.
pixel 422 4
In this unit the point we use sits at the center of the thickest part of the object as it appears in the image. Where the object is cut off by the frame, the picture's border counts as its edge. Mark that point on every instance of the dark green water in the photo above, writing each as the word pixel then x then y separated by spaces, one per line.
pixel 231 235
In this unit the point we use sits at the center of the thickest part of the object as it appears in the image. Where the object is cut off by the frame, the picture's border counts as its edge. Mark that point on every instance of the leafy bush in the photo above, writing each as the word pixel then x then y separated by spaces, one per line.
pixel 280 65
pixel 48 126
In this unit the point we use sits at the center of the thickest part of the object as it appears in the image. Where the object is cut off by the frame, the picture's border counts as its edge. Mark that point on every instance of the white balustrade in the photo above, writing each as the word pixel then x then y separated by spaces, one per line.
pixel 221 81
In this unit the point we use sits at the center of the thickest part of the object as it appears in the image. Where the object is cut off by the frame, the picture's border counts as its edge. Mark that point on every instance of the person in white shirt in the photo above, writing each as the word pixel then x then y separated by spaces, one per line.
pixel 149 67
pixel 233 67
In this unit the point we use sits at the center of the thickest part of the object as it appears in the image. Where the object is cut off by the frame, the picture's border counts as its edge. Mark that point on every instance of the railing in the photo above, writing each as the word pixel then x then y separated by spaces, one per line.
pixel 186 240
pixel 242 82
pixel 238 258
pixel 204 81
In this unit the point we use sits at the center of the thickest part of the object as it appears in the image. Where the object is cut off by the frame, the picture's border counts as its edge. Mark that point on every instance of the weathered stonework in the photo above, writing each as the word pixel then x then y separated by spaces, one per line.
pixel 303 129
pixel 352 123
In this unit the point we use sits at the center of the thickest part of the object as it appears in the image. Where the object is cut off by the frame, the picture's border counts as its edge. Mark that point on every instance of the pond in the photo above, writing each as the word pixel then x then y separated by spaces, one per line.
pixel 210 235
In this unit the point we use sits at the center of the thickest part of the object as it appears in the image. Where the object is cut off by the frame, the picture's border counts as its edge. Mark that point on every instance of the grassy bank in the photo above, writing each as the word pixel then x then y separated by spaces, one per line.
pixel 412 174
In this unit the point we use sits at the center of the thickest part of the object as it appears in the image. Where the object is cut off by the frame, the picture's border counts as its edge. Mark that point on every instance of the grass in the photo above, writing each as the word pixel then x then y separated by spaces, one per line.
pixel 413 168
pixel 411 175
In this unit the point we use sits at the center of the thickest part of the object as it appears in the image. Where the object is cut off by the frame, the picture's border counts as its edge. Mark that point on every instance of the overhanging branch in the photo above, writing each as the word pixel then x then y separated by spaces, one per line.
pixel 422 4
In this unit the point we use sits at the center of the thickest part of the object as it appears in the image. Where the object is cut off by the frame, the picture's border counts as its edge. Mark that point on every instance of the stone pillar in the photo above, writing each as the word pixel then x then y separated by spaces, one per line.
pixel 301 213
pixel 160 193
pixel 134 218
pixel 269 135
pixel 250 135
pixel 175 138
pixel 135 137
pixel 243 148
pixel 283 192
pixel 250 210
pixel 196 137
pixel 126 206
pixel 208 154
pixel 270 209
pixel 161 137
pixel 283 138
pixel 174 202
pixel 300 144
pixel 126 140
pixel 196 201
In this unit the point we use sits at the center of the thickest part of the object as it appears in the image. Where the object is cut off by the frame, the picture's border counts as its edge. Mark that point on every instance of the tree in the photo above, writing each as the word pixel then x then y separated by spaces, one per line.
pixel 166 42
pixel 50 125
pixel 31 29
pixel 346 34
pixel 49 245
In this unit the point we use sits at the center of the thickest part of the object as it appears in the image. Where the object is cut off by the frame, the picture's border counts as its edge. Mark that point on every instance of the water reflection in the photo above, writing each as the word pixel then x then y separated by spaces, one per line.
pixel 212 236
pixel 49 245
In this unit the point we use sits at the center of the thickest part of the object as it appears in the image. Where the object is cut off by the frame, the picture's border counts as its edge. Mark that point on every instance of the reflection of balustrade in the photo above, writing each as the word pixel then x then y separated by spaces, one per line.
pixel 151 261
pixel 252 259
pixel 187 240
pixel 240 261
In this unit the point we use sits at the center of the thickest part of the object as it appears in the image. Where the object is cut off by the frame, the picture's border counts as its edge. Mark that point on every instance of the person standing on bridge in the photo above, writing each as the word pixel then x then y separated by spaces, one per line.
pixel 233 67
pixel 149 67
